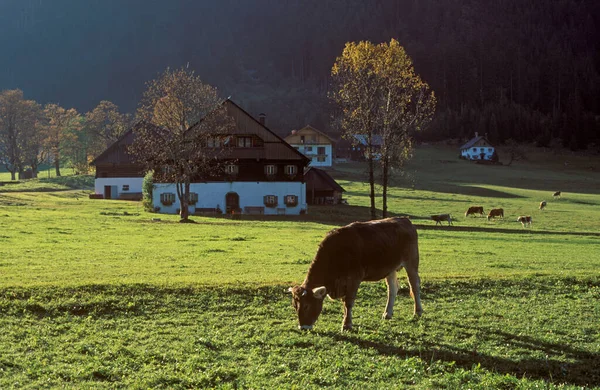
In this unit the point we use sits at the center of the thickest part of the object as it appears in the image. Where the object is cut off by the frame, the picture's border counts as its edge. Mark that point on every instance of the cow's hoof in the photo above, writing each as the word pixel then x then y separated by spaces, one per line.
pixel 347 328
pixel 386 316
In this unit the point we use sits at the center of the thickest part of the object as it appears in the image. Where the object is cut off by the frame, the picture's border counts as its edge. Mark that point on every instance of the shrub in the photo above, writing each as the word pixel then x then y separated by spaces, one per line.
pixel 147 188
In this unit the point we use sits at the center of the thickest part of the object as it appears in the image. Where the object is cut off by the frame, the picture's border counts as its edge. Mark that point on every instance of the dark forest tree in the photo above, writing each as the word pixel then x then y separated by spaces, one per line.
pixel 180 133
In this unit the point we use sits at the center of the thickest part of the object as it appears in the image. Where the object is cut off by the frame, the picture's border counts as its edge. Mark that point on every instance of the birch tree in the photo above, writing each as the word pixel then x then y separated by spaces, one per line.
pixel 380 96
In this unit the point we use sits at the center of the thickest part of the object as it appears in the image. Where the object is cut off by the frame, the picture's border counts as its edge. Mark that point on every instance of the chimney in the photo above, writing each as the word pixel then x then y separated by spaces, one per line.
pixel 476 134
pixel 261 118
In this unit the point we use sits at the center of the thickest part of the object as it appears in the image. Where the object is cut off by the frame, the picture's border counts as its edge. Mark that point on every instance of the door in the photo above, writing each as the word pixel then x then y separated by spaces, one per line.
pixel 232 202
pixel 107 192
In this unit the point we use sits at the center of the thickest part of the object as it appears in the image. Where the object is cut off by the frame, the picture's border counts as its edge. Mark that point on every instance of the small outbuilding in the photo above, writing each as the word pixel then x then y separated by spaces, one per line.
pixel 321 188
pixel 478 148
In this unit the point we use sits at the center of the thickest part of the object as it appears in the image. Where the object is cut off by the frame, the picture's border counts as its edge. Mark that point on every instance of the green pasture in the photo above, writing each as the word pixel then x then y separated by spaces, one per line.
pixel 100 294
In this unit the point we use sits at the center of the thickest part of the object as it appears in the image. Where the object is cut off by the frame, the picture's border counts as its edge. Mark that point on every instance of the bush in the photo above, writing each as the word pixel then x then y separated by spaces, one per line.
pixel 147 188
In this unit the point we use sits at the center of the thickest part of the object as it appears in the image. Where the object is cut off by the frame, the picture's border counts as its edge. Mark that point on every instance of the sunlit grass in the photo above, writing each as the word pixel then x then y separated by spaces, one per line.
pixel 99 293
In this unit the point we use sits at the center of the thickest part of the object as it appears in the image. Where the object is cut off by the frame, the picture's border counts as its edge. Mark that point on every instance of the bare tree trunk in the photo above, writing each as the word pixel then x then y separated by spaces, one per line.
pixel 372 183
pixel 57 164
pixel 13 175
pixel 183 191
pixel 386 166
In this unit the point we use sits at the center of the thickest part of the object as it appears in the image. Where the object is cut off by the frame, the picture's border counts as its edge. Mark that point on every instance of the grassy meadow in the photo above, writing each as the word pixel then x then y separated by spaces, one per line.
pixel 100 294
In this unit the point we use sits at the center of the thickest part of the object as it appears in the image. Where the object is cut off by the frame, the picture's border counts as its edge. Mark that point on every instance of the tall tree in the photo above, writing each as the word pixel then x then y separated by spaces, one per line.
pixel 181 132
pixel 59 131
pixel 357 92
pixel 406 106
pixel 104 125
pixel 17 120
pixel 382 98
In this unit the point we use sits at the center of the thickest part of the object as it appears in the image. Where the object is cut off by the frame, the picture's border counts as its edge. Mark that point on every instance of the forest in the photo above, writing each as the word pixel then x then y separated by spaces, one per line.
pixel 522 70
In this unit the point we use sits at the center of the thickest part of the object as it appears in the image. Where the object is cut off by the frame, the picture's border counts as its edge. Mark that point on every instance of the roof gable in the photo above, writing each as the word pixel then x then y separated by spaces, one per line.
pixel 475 140
pixel 321 180
pixel 294 138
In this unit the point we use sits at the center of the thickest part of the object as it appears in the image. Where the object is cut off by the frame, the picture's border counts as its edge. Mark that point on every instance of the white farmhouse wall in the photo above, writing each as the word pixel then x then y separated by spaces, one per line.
pixel 134 183
pixel 474 153
pixel 211 195
pixel 313 153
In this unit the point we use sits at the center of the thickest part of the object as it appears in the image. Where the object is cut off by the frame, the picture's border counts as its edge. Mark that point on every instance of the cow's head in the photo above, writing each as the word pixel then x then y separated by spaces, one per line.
pixel 308 304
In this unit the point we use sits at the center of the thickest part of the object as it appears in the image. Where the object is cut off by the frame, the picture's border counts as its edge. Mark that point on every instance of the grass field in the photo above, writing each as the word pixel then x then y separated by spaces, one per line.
pixel 97 294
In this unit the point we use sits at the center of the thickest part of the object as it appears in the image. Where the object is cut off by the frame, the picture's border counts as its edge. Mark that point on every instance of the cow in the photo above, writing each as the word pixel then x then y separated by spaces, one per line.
pixel 474 210
pixel 525 220
pixel 495 213
pixel 556 194
pixel 542 204
pixel 361 251
pixel 442 217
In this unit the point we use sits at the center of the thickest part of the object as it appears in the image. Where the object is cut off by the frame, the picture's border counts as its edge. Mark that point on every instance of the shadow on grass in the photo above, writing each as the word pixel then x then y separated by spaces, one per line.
pixel 582 371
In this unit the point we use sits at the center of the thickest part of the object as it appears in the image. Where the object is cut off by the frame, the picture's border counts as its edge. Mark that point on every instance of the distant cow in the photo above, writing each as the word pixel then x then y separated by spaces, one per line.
pixel 542 204
pixel 556 194
pixel 347 256
pixel 442 217
pixel 495 213
pixel 525 220
pixel 474 210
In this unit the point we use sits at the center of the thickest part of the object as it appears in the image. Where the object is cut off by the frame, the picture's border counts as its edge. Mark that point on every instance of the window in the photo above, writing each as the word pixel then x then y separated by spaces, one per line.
pixel 125 187
pixel 193 199
pixel 168 198
pixel 291 200
pixel 321 150
pixel 309 148
pixel 213 142
pixel 321 158
pixel 232 169
pixel 475 150
pixel 291 170
pixel 270 200
pixel 301 139
pixel 270 169
pixel 244 142
pixel 490 150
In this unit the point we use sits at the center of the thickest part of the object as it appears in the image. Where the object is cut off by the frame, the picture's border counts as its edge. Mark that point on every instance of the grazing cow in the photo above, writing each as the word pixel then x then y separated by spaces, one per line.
pixel 347 256
pixel 474 210
pixel 525 220
pixel 495 213
pixel 442 217
pixel 542 204
pixel 556 194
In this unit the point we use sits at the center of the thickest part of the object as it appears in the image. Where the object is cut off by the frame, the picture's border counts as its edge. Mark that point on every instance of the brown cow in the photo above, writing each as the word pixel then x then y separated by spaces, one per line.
pixel 442 217
pixel 347 256
pixel 525 220
pixel 542 204
pixel 495 213
pixel 557 194
pixel 474 210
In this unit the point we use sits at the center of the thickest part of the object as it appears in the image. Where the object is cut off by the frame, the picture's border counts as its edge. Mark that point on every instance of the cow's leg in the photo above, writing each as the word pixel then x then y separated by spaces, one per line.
pixel 348 300
pixel 415 288
pixel 392 287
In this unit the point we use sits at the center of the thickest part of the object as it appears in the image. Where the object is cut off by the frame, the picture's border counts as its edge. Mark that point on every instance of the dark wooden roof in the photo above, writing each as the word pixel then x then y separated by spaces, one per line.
pixel 319 180
pixel 274 148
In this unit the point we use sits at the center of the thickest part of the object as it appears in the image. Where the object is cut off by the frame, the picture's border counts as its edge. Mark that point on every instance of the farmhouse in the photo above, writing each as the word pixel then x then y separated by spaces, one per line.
pixel 478 148
pixel 264 174
pixel 118 176
pixel 314 144
pixel 321 188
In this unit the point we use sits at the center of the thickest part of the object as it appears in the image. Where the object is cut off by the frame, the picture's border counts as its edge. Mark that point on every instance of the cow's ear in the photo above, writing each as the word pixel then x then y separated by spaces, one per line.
pixel 320 292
